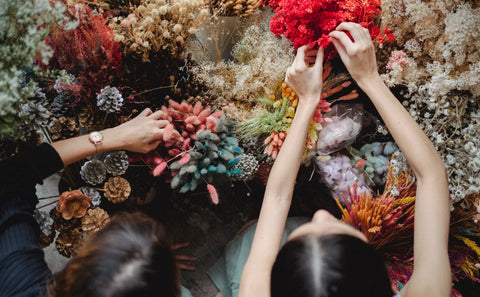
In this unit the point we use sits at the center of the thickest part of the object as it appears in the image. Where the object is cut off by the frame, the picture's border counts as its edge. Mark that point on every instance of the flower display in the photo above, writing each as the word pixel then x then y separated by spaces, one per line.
pixel 216 70
pixel 73 204
pixel 309 22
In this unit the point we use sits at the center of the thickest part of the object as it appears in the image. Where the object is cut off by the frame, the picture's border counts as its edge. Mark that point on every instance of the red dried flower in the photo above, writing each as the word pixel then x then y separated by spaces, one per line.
pixel 310 21
pixel 73 204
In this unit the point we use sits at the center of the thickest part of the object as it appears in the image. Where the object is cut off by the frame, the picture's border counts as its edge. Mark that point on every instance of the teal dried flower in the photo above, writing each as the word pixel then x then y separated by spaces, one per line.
pixel 212 154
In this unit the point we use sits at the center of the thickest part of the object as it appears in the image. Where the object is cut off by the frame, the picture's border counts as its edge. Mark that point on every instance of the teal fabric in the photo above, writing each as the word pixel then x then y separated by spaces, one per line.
pixel 226 273
pixel 185 292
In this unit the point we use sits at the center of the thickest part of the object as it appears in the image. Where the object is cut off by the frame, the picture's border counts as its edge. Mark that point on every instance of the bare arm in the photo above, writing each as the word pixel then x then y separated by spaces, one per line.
pixel 431 275
pixel 307 83
pixel 141 134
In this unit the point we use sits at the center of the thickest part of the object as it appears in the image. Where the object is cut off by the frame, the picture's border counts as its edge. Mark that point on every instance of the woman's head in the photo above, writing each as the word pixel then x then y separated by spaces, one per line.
pixel 128 257
pixel 327 258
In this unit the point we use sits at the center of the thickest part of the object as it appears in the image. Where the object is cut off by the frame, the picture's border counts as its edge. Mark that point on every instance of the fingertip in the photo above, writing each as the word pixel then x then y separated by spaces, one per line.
pixel 146 112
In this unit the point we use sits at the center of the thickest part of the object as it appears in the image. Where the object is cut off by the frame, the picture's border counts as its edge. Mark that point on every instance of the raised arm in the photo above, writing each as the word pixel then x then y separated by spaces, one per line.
pixel 431 274
pixel 141 134
pixel 307 83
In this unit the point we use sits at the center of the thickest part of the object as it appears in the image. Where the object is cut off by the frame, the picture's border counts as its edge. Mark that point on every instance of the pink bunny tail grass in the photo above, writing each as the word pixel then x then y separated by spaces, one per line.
pixel 213 193
pixel 159 169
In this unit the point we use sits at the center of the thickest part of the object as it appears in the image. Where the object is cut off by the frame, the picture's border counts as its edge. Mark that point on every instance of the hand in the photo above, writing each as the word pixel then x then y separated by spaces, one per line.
pixel 304 80
pixel 357 55
pixel 141 134
pixel 179 258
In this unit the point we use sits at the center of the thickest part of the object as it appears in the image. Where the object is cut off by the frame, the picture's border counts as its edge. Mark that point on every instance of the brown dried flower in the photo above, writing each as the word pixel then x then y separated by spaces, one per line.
pixel 94 220
pixel 69 242
pixel 234 7
pixel 117 189
pixel 60 224
pixel 160 26
pixel 73 204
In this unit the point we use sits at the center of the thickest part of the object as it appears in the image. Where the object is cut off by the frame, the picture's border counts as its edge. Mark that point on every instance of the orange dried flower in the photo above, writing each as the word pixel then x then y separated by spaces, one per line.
pixel 73 204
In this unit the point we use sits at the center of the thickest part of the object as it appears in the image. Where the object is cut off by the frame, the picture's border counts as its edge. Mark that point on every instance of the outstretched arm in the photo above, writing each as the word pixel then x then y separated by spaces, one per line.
pixel 431 275
pixel 307 83
pixel 141 134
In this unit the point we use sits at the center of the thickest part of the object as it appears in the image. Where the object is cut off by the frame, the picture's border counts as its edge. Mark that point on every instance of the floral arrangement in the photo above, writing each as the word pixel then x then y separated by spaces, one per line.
pixel 216 69
pixel 309 22
pixel 387 222
pixel 437 67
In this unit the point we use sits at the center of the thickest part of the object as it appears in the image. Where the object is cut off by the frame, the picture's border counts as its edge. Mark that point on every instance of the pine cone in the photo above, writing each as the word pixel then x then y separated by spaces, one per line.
pixel 46 239
pixel 116 163
pixel 89 119
pixel 44 221
pixel 36 113
pixel 93 172
pixel 249 165
pixel 93 194
pixel 69 242
pixel 62 225
pixel 61 103
pixel 117 189
pixel 94 220
pixel 109 100
pixel 63 128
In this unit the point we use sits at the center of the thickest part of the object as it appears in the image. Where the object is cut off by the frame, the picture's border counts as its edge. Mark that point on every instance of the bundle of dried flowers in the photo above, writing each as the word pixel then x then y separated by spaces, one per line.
pixel 310 22
pixel 88 52
pixel 234 7
pixel 439 69
pixel 387 222
pixel 259 61
pixel 23 28
pixel 160 26
pixel 73 204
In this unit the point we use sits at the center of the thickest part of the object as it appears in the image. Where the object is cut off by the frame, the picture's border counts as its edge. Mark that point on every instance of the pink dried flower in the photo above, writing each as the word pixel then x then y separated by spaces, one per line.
pixel 159 169
pixel 398 58
pixel 213 193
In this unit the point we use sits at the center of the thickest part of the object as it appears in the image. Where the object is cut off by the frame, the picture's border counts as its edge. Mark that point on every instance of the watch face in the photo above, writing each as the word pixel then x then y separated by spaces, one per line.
pixel 96 137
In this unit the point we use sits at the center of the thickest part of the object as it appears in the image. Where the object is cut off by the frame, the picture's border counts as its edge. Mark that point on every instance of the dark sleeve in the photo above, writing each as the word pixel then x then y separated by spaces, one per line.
pixel 23 271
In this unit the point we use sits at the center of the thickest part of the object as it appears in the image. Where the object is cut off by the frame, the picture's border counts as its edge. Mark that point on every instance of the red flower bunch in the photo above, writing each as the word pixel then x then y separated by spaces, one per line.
pixel 310 21
pixel 89 52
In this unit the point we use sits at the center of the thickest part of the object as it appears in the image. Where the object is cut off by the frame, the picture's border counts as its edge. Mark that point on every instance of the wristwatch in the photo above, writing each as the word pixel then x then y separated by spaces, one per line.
pixel 96 138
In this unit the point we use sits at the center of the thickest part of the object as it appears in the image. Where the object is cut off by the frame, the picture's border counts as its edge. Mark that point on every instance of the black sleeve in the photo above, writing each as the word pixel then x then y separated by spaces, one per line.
pixel 23 271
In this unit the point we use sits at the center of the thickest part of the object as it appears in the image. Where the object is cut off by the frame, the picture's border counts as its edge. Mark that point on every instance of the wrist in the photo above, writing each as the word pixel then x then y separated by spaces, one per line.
pixel 369 83
pixel 112 140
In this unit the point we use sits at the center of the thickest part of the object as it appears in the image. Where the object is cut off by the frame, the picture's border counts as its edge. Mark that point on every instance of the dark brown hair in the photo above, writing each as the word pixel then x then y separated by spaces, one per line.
pixel 128 257
pixel 334 265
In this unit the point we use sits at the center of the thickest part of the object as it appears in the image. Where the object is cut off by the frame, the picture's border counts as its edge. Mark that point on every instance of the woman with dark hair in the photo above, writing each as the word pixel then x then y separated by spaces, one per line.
pixel 326 257
pixel 128 257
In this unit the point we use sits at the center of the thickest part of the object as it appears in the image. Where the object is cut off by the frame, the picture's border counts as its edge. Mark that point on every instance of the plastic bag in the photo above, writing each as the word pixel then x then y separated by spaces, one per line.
pixel 342 129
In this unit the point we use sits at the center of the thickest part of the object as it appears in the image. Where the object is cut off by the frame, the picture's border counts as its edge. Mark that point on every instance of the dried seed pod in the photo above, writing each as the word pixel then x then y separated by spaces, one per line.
pixel 63 128
pixel 69 242
pixel 117 189
pixel 116 163
pixel 93 172
pixel 94 220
